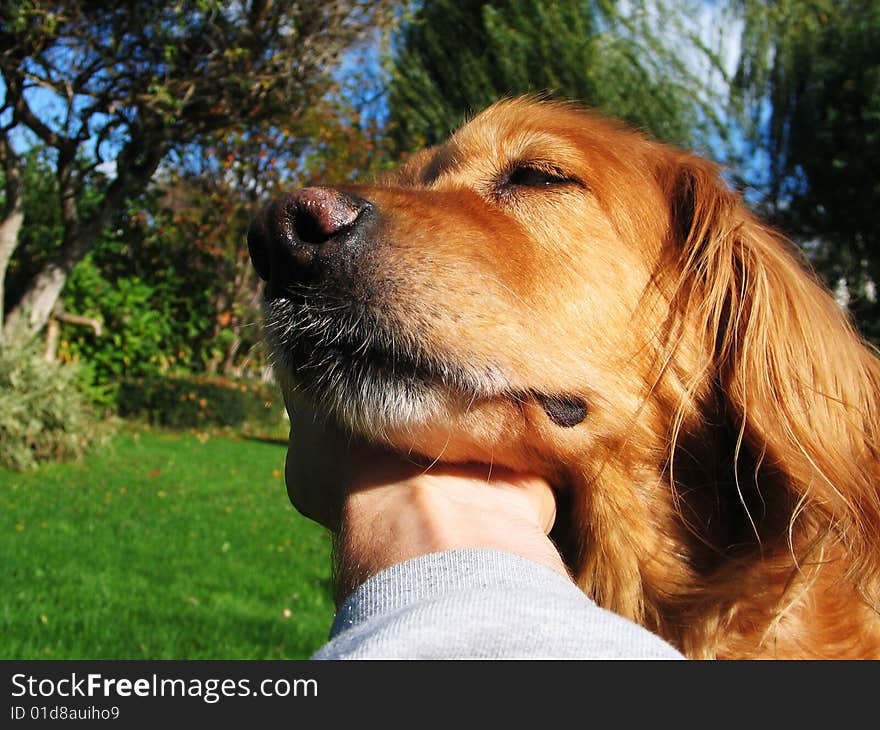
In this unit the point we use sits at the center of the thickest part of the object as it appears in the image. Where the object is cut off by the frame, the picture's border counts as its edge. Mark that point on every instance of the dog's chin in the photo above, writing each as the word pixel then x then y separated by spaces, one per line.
pixel 373 403
pixel 372 380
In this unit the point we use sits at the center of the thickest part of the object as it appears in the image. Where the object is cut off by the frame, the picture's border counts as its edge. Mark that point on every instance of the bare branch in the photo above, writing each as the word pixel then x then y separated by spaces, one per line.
pixel 80 321
pixel 24 115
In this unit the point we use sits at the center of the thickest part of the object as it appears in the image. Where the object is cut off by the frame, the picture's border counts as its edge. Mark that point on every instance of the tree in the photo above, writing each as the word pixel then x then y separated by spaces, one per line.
pixel 171 280
pixel 809 81
pixel 129 81
pixel 453 58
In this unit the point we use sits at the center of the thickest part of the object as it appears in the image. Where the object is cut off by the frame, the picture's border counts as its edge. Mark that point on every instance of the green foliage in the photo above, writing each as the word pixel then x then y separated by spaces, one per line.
pixel 161 546
pixel 815 65
pixel 132 289
pixel 202 402
pixel 454 58
pixel 47 412
pixel 156 283
pixel 137 325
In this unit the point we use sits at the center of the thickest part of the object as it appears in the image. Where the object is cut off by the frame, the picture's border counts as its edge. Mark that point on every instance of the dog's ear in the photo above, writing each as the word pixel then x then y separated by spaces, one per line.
pixel 798 383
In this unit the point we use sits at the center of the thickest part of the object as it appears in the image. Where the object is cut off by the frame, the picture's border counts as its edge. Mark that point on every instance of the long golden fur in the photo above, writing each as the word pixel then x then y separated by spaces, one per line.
pixel 555 293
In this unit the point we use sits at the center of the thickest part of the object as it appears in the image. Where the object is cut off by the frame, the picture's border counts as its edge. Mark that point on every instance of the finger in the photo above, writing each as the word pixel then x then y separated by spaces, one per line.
pixel 534 494
pixel 541 498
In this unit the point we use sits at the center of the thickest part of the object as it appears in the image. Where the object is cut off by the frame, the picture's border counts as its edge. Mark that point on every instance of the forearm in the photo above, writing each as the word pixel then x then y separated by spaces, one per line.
pixel 481 604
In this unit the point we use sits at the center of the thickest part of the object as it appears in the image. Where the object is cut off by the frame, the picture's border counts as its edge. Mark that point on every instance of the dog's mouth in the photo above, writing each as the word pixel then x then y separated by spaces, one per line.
pixel 355 360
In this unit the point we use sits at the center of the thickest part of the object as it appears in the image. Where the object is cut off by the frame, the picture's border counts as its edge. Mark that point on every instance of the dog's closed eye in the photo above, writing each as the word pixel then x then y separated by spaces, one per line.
pixel 533 176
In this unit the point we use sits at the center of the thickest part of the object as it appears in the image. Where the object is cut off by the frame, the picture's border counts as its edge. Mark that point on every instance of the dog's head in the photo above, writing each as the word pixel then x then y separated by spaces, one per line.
pixel 487 292
pixel 552 292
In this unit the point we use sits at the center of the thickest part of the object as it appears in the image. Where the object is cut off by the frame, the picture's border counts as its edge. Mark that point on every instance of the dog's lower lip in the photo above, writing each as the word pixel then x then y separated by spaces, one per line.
pixel 400 364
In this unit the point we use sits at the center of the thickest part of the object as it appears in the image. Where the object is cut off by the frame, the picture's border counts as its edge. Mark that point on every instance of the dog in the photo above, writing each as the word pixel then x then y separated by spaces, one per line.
pixel 554 292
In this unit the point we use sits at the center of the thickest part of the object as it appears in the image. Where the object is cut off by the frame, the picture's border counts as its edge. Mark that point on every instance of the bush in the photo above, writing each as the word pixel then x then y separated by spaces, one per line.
pixel 202 401
pixel 47 411
pixel 139 328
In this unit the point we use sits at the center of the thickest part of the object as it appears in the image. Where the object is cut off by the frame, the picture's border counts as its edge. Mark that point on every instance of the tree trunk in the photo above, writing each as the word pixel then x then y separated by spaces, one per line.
pixel 9 230
pixel 33 310
pixel 13 215
pixel 229 362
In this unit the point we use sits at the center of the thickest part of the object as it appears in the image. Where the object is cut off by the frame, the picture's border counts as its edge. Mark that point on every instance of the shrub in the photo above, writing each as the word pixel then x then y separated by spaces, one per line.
pixel 139 328
pixel 47 411
pixel 202 401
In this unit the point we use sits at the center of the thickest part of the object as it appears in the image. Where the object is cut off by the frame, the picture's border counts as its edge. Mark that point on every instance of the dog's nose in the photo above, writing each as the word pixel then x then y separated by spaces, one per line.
pixel 287 237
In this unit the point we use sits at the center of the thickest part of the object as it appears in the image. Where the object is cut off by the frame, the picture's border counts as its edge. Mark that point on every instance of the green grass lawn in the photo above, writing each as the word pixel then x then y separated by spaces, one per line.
pixel 161 546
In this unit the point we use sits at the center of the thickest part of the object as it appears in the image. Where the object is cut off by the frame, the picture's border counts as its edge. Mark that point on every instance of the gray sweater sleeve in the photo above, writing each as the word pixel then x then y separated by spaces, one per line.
pixel 481 604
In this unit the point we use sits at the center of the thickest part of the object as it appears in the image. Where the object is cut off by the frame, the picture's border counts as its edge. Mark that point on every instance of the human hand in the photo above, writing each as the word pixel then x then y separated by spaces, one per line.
pixel 386 508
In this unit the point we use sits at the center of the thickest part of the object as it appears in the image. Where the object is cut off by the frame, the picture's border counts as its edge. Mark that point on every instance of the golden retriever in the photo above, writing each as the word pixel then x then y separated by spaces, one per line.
pixel 555 293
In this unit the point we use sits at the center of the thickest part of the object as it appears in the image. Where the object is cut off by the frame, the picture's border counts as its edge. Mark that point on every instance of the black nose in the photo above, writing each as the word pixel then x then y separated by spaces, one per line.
pixel 294 233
